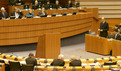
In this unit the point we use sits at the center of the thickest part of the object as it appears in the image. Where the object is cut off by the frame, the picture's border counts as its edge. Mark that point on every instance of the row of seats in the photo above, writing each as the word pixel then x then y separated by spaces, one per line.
pixel 17 58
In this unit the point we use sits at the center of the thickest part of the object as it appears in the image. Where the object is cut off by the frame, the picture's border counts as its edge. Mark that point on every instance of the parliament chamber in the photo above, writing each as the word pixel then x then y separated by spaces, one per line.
pixel 49 31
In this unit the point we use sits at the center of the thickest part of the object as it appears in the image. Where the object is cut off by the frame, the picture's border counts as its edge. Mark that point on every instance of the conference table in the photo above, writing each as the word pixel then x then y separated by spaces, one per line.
pixel 25 31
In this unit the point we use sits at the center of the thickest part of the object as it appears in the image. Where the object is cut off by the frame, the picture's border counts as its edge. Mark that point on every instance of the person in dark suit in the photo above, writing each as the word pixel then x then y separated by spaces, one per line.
pixel 56 5
pixel 48 5
pixel 59 61
pixel 35 5
pixel 17 13
pixel 118 36
pixel 42 13
pixel 33 1
pixel 31 60
pixel 103 28
pixel 117 27
pixel 74 62
pixel 69 4
pixel 3 13
pixel 19 2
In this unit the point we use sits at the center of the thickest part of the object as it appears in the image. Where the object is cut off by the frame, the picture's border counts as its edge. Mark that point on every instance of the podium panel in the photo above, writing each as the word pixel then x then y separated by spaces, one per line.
pixel 48 46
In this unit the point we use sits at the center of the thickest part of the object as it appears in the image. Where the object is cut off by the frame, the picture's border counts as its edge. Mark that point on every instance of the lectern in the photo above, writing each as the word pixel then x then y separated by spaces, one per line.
pixel 48 46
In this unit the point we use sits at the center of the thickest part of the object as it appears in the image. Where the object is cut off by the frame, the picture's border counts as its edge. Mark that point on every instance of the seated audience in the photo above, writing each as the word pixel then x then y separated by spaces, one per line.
pixel 42 13
pixel 31 60
pixel 69 4
pixel 59 61
pixel 30 13
pixel 75 62
pixel 17 13
pixel 48 5
pixel 3 13
pixel 56 5
pixel 118 36
pixel 19 2
pixel 103 28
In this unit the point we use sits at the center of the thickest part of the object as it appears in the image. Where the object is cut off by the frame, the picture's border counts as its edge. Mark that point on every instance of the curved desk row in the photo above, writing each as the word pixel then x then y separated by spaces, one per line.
pixel 23 31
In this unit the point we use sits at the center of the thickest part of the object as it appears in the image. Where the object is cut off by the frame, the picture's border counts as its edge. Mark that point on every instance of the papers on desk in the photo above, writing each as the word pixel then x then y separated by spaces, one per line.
pixel 109 39
pixel 91 64
pixel 22 62
pixel 84 64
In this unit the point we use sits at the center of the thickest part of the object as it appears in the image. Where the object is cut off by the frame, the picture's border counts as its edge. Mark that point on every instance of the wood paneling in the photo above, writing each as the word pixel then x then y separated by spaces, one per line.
pixel 98 44
pixel 23 31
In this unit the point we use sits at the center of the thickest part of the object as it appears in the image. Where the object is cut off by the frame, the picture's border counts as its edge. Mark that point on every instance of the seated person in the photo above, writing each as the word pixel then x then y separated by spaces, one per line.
pixel 69 4
pixel 30 13
pixel 19 2
pixel 78 4
pixel 59 61
pixel 3 13
pixel 36 5
pixel 48 5
pixel 17 13
pixel 33 1
pixel 118 36
pixel 31 60
pixel 42 13
pixel 12 2
pixel 74 62
pixel 57 5
pixel 117 27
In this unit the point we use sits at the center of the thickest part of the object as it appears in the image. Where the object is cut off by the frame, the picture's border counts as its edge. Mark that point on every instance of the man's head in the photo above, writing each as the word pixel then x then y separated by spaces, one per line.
pixel 48 2
pixel 31 55
pixel 2 9
pixel 69 2
pixel 30 10
pixel 16 9
pixel 61 57
pixel 43 9
pixel 73 58
pixel 57 2
pixel 19 0
pixel 103 19
pixel 36 2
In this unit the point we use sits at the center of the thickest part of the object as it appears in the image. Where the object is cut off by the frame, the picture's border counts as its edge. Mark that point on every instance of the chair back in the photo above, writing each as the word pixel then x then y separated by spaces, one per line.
pixel 27 67
pixel 14 66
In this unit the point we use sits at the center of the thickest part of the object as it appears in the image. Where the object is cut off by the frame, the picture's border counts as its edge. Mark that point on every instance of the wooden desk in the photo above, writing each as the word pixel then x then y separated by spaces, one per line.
pixel 98 44
pixel 24 31
pixel 116 48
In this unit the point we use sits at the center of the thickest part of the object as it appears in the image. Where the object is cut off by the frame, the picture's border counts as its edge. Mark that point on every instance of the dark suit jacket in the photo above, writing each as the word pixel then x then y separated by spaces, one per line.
pixel 41 14
pixel 105 28
pixel 68 5
pixel 20 14
pixel 75 63
pixel 22 2
pixel 4 16
pixel 118 36
pixel 58 62
pixel 48 6
pixel 56 6
pixel 31 61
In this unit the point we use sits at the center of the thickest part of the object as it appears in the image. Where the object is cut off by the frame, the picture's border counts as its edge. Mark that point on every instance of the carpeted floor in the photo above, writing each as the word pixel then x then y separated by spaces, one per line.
pixel 69 46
